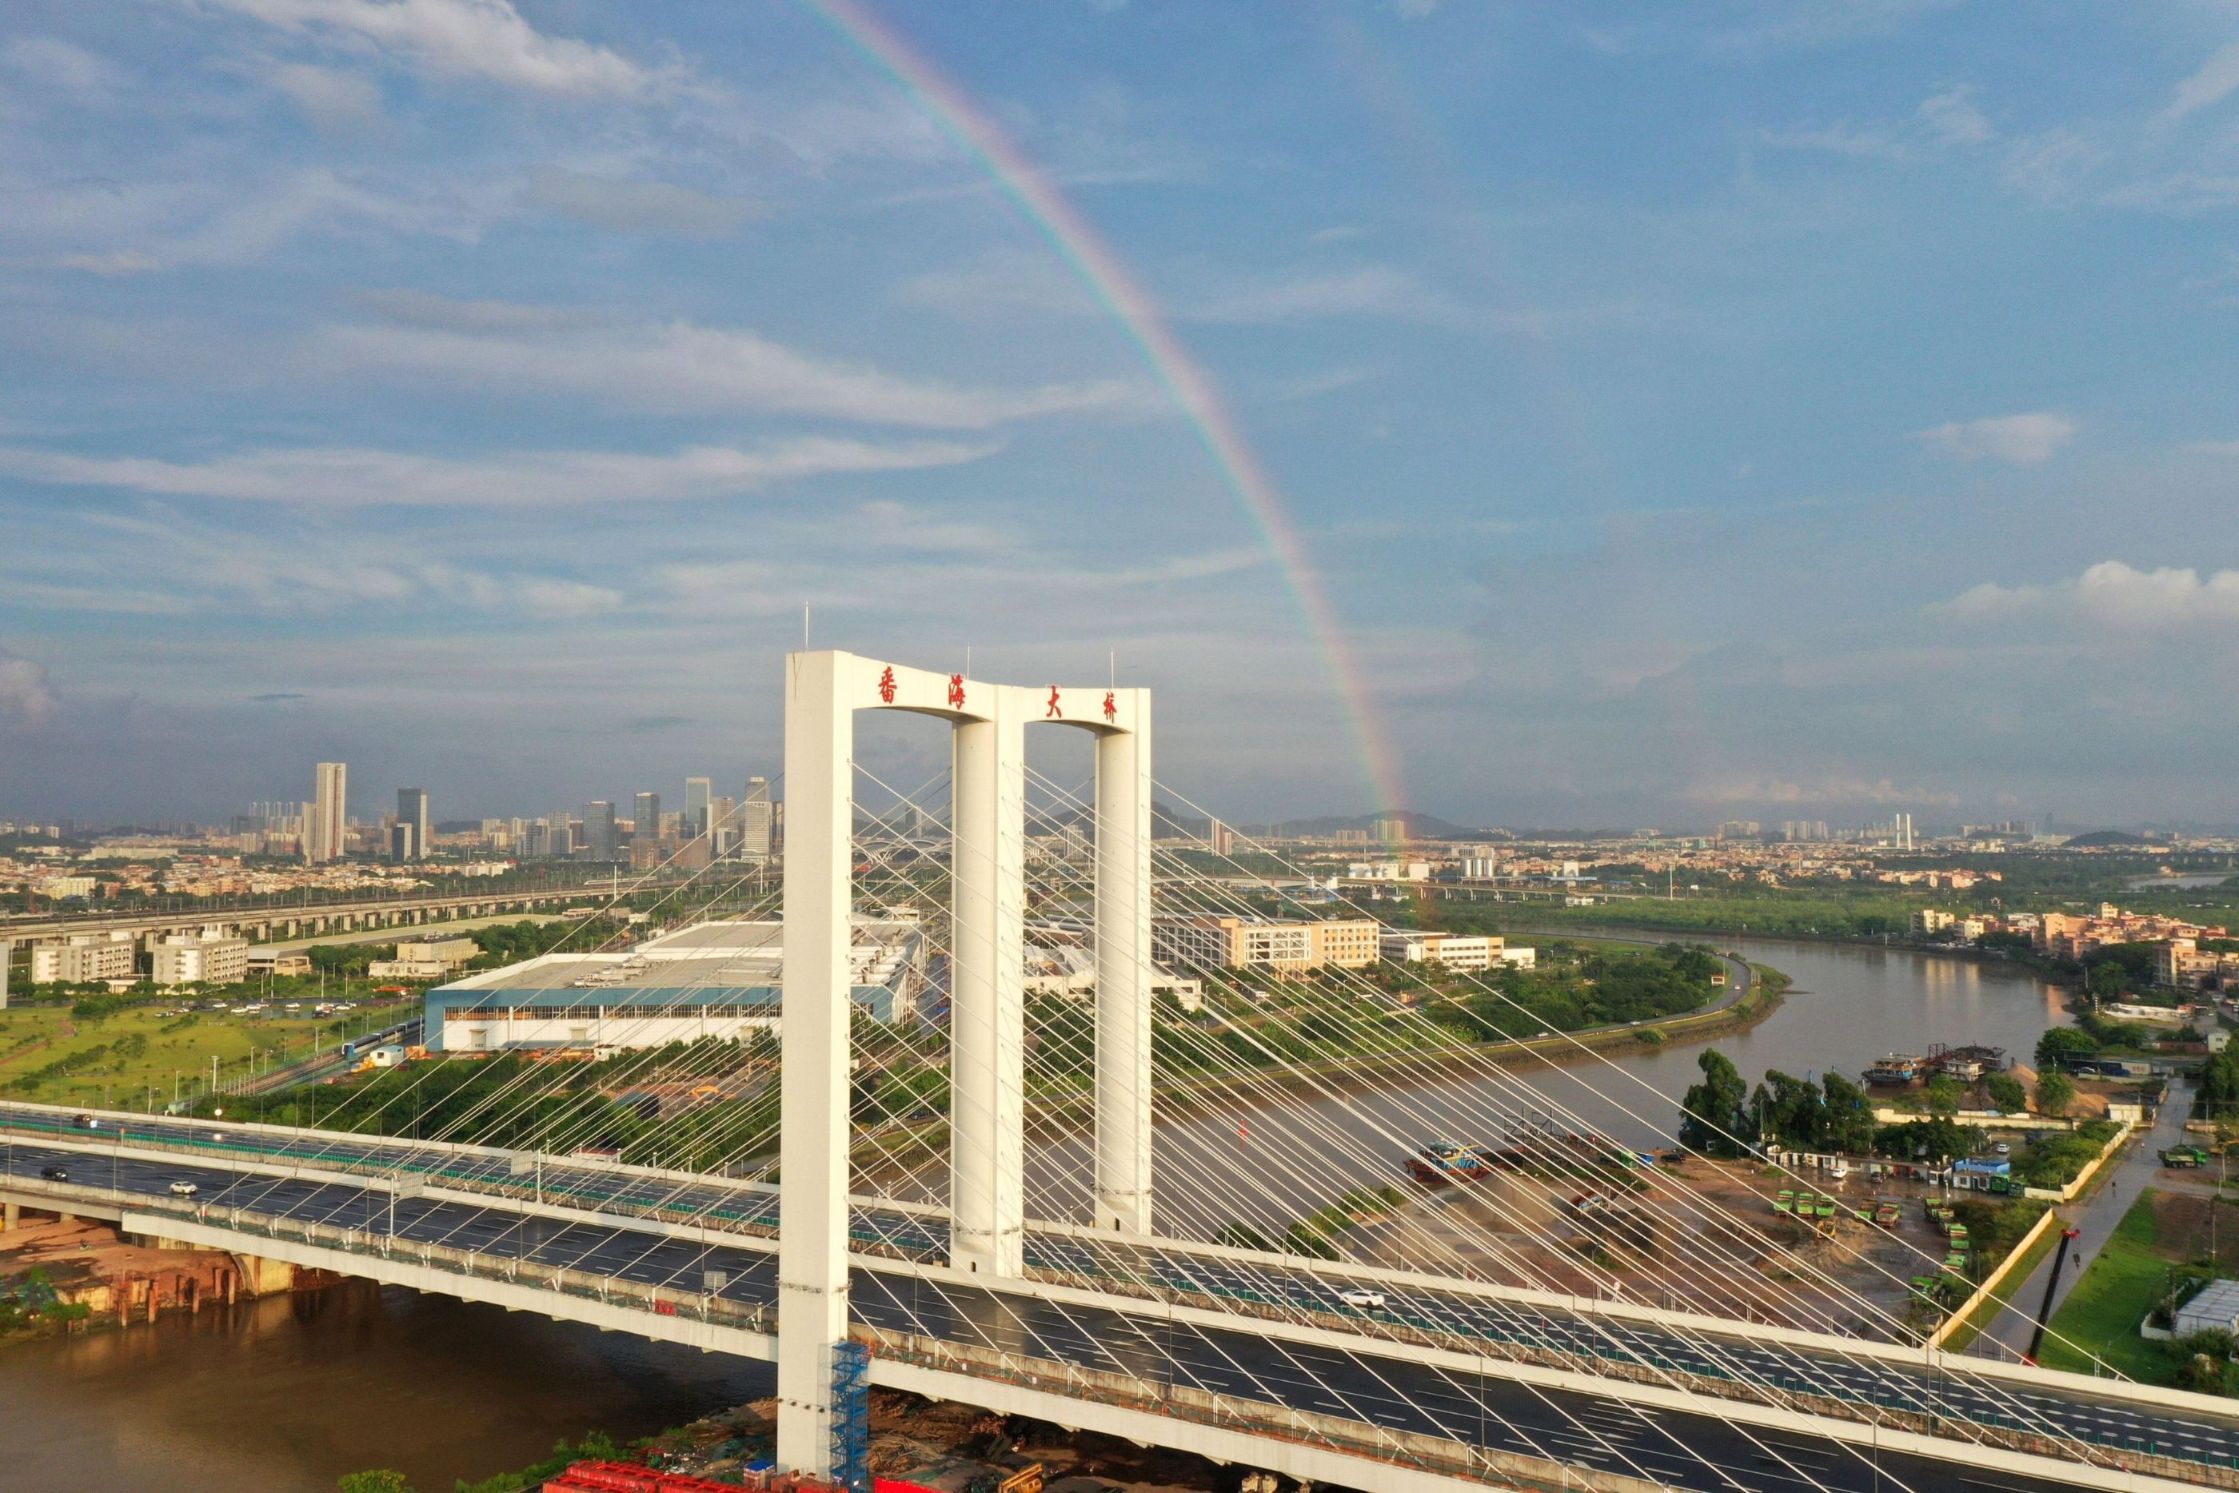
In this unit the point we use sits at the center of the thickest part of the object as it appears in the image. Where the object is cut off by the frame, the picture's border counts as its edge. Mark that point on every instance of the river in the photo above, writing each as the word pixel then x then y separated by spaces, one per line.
pixel 292 1392
pixel 1849 1004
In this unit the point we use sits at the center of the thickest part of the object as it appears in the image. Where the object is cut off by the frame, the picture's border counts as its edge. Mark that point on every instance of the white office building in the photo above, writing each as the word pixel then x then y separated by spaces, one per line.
pixel 1465 953
pixel 84 957
pixel 204 958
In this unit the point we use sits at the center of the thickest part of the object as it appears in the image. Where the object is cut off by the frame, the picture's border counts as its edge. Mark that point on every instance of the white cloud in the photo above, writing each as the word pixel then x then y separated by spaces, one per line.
pixel 2212 84
pixel 344 477
pixel 1856 142
pixel 2113 596
pixel 24 691
pixel 1953 117
pixel 679 365
pixel 485 39
pixel 1372 290
pixel 53 61
pixel 2054 165
pixel 2024 440
pixel 111 266
pixel 635 206
pixel 330 99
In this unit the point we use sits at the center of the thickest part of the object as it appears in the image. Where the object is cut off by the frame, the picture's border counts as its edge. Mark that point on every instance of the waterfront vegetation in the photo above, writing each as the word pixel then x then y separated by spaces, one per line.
pixel 1722 1116
pixel 30 1303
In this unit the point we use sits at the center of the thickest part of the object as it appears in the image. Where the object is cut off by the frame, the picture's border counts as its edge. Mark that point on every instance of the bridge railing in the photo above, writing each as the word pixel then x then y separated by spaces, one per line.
pixel 1162 1396
pixel 1417 1450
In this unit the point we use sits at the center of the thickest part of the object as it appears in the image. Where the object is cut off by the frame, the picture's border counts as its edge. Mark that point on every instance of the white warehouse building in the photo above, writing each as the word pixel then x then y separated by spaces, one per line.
pixel 718 980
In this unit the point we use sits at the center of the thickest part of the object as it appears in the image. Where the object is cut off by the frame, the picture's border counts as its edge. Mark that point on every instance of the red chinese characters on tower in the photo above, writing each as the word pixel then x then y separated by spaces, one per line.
pixel 1111 706
pixel 1053 713
pixel 956 691
pixel 886 686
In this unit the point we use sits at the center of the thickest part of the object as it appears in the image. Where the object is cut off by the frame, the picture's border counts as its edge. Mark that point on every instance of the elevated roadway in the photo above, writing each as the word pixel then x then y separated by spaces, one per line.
pixel 1501 1372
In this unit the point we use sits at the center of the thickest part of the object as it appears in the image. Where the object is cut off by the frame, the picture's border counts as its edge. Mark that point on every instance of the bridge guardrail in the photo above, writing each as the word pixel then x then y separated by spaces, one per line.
pixel 1700 1377
pixel 666 1301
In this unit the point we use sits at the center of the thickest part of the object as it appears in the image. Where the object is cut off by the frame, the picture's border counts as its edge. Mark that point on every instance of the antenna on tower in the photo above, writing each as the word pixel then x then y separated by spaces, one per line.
pixel 804 627
pixel 1113 659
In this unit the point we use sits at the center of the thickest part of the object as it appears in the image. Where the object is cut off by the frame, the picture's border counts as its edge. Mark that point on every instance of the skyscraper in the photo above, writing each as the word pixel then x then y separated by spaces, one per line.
pixel 646 812
pixel 324 818
pixel 412 813
pixel 697 793
pixel 754 822
pixel 598 830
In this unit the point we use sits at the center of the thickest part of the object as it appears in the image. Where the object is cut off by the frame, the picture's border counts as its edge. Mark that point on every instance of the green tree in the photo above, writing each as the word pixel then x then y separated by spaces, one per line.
pixel 2055 1092
pixel 1712 1120
pixel 379 1480
pixel 1848 1116
pixel 2219 1085
pixel 1788 1109
pixel 2006 1093
pixel 1943 1096
pixel 2062 1045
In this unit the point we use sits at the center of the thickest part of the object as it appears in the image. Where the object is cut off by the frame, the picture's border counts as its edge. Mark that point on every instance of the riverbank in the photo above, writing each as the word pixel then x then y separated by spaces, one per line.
pixel 66 1275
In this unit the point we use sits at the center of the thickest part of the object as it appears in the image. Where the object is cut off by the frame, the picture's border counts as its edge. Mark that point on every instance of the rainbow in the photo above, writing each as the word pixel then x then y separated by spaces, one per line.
pixel 1108 279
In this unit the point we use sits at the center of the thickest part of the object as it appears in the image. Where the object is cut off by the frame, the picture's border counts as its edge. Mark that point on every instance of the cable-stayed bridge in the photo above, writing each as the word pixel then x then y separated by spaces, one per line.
pixel 1373 1375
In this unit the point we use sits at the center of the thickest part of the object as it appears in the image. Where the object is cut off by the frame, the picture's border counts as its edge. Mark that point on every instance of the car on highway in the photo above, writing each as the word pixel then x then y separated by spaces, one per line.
pixel 1362 1300
pixel 184 1189
pixel 55 1173
pixel 85 1122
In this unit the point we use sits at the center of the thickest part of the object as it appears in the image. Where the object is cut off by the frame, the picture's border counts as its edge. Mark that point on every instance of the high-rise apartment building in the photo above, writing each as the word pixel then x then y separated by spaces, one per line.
pixel 599 841
pixel 755 821
pixel 325 818
pixel 698 793
pixel 646 811
pixel 412 813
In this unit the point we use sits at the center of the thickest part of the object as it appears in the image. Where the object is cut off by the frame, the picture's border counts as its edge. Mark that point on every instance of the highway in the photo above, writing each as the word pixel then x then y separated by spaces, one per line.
pixel 1370 1378
pixel 1376 1387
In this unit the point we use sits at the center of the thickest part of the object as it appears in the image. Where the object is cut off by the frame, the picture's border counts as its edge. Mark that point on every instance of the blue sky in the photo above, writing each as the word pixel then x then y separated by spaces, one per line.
pixel 1779 410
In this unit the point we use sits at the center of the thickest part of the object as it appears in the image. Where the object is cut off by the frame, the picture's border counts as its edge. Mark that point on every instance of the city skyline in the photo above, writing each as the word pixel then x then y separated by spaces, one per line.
pixel 1569 416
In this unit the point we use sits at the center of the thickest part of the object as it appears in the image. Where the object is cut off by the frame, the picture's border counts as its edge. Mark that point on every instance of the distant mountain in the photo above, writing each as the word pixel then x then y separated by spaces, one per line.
pixel 2107 839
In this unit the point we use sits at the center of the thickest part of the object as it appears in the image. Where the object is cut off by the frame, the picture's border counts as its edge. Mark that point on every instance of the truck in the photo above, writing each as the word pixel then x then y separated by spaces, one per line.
pixel 2185 1156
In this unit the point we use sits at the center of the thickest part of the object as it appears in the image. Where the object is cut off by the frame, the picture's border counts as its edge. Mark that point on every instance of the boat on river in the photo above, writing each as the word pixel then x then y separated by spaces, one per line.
pixel 1894 1071
pixel 1443 1162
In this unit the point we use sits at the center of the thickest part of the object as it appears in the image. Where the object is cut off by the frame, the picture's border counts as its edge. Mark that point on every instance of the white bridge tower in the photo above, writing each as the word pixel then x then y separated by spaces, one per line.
pixel 987 999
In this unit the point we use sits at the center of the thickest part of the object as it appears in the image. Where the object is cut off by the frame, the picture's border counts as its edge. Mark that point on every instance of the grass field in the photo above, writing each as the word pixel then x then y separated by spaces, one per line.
pixel 2101 1315
pixel 141 1057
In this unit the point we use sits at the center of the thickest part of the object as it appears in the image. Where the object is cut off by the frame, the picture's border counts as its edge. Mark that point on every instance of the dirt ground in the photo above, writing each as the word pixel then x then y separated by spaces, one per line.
pixel 1738 1258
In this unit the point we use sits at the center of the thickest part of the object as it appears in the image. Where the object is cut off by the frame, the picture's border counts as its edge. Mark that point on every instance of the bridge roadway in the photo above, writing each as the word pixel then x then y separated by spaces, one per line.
pixel 1371 1376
